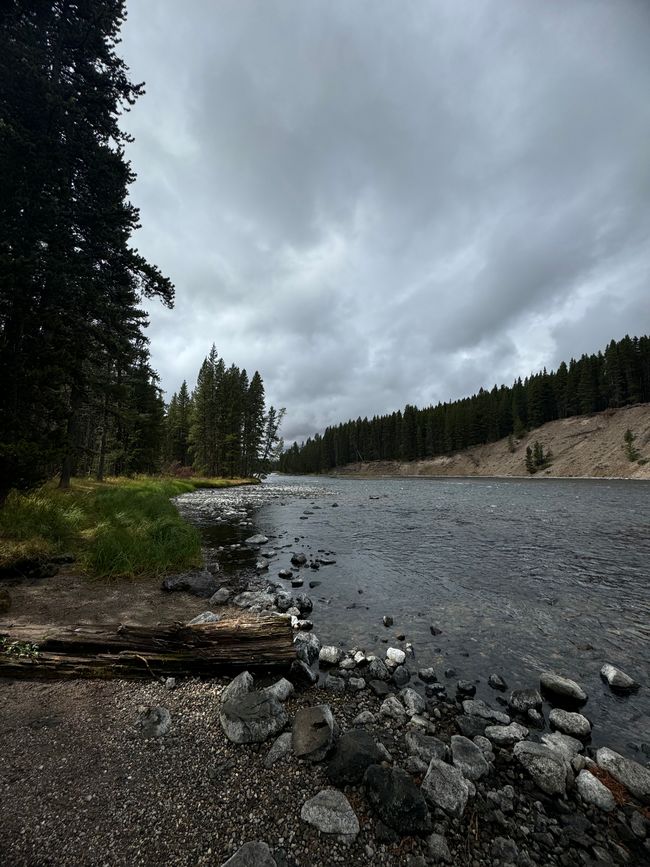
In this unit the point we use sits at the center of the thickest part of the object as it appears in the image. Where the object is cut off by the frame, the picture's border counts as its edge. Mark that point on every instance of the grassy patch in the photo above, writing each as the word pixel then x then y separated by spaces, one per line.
pixel 117 528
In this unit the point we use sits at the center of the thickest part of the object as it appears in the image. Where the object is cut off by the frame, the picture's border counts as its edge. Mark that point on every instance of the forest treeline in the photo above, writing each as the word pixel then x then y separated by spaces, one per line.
pixel 616 377
pixel 79 395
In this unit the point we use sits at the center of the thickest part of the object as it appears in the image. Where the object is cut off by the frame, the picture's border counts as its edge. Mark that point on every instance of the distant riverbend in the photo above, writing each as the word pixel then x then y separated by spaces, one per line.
pixel 481 575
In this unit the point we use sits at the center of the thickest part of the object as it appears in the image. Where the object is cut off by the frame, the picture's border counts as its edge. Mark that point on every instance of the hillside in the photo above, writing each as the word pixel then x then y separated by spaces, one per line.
pixel 582 446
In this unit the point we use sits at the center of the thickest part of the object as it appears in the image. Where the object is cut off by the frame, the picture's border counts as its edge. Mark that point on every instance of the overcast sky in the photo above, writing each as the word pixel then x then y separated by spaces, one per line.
pixel 388 202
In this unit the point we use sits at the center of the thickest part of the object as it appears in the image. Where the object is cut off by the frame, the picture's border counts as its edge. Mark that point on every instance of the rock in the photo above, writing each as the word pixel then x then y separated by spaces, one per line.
pixel 535 718
pixel 365 718
pixel 484 746
pixel 221 597
pixel 506 736
pixel 303 603
pixel 476 707
pixel 206 617
pixel 465 688
pixel 422 722
pixel 261 598
pixel 397 801
pixel 468 758
pixel 574 724
pixel 5 601
pixel 330 812
pixel 199 583
pixel 401 676
pixel 470 726
pixel 427 675
pixel 239 685
pixel 627 772
pixel 259 539
pixel 567 746
pixel 284 601
pixel 304 625
pixel 360 658
pixel 546 767
pixel 169 683
pixel 412 700
pixel 307 647
pixel 281 747
pixel 313 732
pixel 330 655
pixel 594 792
pixel 155 722
pixel 392 708
pixel 261 564
pixel 520 700
pixel 285 573
pixel 425 747
pixel 445 786
pixel 252 855
pixel 354 752
pixel 297 582
pixel 504 850
pixel 497 682
pixel 330 683
pixel 356 684
pixel 301 674
pixel 639 825
pixel 396 655
pixel 347 664
pixel 376 670
pixel 503 798
pixel 388 620
pixel 438 849
pixel 379 688
pixel 298 559
pixel 618 681
pixel 281 689
pixel 562 688
pixel 252 717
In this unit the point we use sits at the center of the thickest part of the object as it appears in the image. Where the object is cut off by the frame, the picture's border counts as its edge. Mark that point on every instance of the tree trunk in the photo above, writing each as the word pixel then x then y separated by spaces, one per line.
pixel 69 455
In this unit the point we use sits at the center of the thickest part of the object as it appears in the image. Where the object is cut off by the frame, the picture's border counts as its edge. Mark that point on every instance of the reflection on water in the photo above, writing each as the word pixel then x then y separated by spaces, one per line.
pixel 519 575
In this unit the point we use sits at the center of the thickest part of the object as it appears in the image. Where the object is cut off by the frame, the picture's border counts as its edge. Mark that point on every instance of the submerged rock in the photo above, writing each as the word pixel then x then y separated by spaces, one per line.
pixel 618 680
pixel 476 707
pixel 259 539
pixel 556 686
pixel 522 700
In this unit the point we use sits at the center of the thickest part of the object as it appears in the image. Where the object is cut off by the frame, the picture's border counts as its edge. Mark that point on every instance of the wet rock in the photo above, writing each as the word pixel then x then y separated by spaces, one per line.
pixel 470 726
pixel 298 559
pixel 285 573
pixel 304 625
pixel 546 767
pixel 558 687
pixel 445 786
pixel 396 655
pixel 618 680
pixel 256 854
pixel 506 736
pixel 468 758
pixel 155 722
pixel 574 724
pixel 283 601
pixel 412 700
pixel 594 792
pixel 567 746
pixel 313 732
pixel 353 754
pixel 535 718
pixel 497 682
pixel 387 620
pixel 521 700
pixel 397 801
pixel 252 717
pixel 465 688
pixel 326 561
pixel 281 748
pixel 256 540
pixel 205 617
pixel 376 670
pixel 259 598
pixel 628 773
pixel 401 676
pixel 261 564
pixel 300 673
pixel 297 582
pixel 330 655
pixel 330 812
pixel 307 647
pixel 198 583
pixel 438 849
pixel 425 747
pixel 427 675
pixel 476 707
pixel 450 672
pixel 303 603
pixel 221 597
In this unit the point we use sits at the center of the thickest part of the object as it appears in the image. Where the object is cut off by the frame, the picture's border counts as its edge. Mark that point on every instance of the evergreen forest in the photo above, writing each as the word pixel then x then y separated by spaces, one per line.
pixel 617 377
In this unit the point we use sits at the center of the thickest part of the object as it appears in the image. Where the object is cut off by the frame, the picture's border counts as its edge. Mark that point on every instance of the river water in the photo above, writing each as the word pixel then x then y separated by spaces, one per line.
pixel 518 576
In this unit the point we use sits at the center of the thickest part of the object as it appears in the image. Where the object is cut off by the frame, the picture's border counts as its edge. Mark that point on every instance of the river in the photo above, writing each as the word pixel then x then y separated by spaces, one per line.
pixel 515 576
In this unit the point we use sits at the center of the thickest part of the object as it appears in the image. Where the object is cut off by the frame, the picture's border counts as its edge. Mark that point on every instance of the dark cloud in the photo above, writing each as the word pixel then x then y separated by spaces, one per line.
pixel 376 203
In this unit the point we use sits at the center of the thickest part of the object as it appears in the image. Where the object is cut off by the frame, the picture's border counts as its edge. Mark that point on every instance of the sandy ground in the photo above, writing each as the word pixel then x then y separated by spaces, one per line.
pixel 584 446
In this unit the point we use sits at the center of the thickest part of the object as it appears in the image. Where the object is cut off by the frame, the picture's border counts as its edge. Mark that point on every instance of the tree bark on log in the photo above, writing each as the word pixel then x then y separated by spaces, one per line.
pixel 132 652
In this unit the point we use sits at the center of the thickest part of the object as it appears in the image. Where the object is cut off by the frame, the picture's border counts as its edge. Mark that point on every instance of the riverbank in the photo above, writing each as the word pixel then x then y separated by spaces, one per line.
pixel 582 447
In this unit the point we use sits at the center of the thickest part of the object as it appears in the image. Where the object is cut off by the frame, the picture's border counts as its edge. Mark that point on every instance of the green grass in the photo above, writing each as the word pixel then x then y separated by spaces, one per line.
pixel 118 528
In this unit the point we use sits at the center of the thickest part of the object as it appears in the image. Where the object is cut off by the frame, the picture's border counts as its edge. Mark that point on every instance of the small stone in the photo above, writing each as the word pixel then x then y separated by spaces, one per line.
pixel 354 752
pixel 504 850
pixel 594 792
pixel 546 767
pixel 427 675
pixel 330 812
pixel 365 718
pixel 379 688
pixel 259 539
pixel 356 684
pixel 618 680
pixel 520 700
pixel 307 646
pixel 205 617
pixel 169 683
pixel 221 597
pixel 388 620
pixel 300 673
pixel 425 747
pixel 252 717
pixel 392 708
pixel 155 722
pixel 401 676
pixel 556 686
pixel 574 724
pixel 497 682
pixel 376 670
pixel 506 736
pixel 298 559
pixel 465 688
pixel 396 655
pixel 567 746
pixel 438 849
pixel 330 655
pixel 476 707
pixel 413 701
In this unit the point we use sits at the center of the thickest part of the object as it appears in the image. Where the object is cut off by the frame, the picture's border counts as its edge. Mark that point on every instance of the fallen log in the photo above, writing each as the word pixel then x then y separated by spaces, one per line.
pixel 129 651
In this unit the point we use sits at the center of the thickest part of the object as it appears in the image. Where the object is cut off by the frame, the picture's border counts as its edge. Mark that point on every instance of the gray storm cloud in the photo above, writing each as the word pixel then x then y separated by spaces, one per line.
pixel 377 203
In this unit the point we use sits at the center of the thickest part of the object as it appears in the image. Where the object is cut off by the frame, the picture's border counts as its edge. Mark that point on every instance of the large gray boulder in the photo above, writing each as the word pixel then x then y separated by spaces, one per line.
pixel 627 772
pixel 396 800
pixel 594 792
pixel 255 854
pixel 252 717
pixel 618 680
pixel 546 767
pixel 562 688
pixel 330 812
pixel 468 758
pixel 445 786
pixel 239 685
pixel 313 733
pixel 197 583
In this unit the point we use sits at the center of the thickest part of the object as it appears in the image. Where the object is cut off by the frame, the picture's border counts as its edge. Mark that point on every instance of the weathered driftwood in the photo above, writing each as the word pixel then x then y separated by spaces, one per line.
pixel 129 651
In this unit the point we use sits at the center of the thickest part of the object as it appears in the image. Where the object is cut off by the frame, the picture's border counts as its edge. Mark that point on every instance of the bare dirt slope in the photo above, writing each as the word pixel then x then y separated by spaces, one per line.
pixel 583 446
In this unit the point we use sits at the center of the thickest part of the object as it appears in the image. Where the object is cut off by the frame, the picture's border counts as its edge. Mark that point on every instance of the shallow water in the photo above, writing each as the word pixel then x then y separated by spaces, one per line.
pixel 520 576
